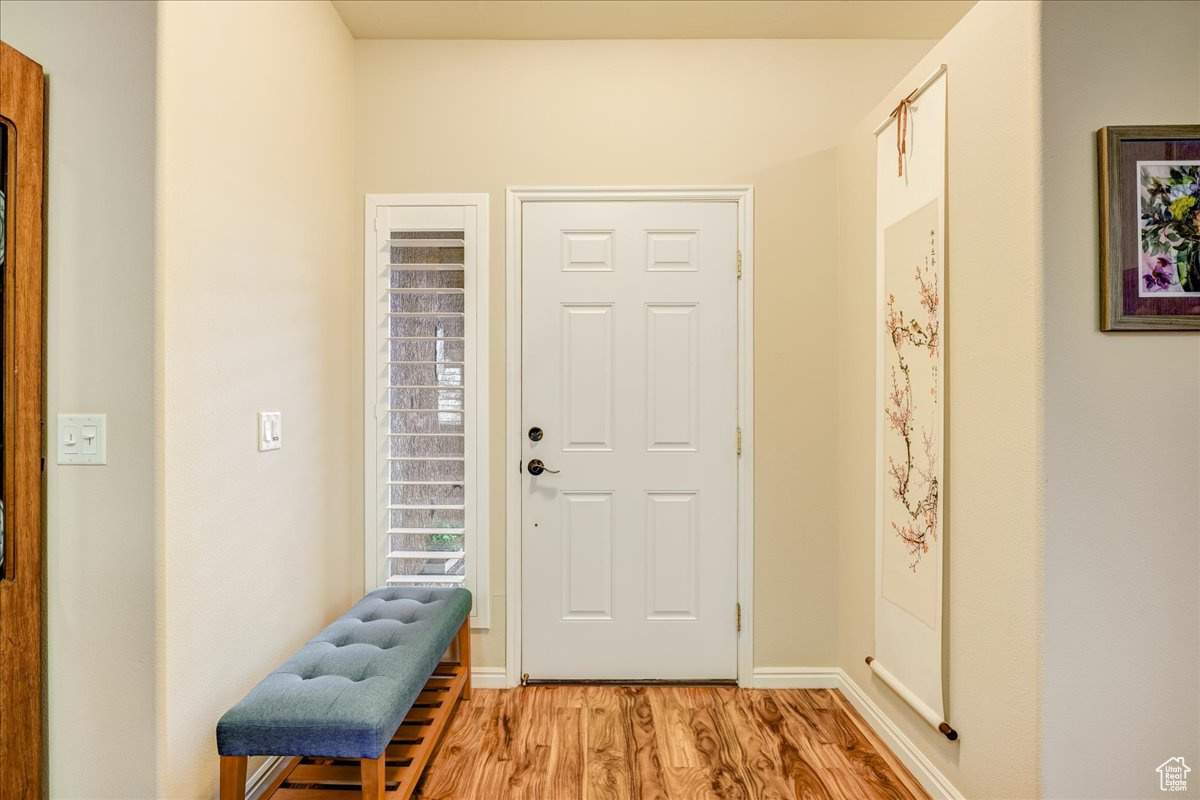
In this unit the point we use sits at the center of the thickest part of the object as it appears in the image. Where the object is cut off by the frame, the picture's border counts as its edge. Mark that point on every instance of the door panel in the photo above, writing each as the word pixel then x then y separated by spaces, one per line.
pixel 629 363
pixel 672 376
pixel 671 555
pixel 588 541
pixel 588 396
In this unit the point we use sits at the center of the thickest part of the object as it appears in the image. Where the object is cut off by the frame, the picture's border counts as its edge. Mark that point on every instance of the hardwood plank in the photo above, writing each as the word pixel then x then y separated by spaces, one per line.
pixel 722 773
pixel 673 718
pixel 760 752
pixel 449 769
pixel 567 750
pixel 607 749
pixel 801 743
pixel 528 779
pixel 837 749
pixel 494 764
pixel 649 782
pixel 893 762
pixel 663 743
pixel 863 758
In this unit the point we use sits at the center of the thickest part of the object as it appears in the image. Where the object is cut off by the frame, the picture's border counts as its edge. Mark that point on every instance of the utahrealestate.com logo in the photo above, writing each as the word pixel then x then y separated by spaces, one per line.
pixel 1172 775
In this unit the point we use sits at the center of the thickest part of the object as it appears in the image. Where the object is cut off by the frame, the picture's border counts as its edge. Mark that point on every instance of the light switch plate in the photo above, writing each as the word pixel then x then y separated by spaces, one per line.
pixel 270 430
pixel 82 439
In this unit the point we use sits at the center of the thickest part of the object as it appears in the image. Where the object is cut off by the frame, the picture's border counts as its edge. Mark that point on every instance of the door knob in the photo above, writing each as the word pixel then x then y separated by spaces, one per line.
pixel 536 467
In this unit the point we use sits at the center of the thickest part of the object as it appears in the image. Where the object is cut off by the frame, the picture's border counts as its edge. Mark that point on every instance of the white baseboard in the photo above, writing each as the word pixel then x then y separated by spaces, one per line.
pixel 489 678
pixel 795 678
pixel 918 764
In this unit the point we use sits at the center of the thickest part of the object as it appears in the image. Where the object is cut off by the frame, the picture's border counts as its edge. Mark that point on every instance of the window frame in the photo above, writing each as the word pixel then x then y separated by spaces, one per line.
pixel 476 389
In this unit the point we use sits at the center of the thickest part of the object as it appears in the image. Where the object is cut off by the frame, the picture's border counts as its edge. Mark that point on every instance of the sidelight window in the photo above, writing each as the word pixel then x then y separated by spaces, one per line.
pixel 426 384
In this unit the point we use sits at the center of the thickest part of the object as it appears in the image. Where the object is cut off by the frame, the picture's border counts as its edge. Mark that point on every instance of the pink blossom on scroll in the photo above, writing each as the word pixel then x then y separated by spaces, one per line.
pixel 913 480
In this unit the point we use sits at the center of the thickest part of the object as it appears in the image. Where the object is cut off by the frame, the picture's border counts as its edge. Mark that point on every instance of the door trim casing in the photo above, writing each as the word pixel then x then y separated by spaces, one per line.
pixel 516 197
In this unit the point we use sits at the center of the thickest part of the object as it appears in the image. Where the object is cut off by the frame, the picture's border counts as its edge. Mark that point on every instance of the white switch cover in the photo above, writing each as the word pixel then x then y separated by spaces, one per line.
pixel 270 430
pixel 82 439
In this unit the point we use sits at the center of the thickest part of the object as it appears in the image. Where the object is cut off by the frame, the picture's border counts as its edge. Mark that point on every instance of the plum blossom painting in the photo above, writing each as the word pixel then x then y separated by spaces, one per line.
pixel 912 411
pixel 1149 227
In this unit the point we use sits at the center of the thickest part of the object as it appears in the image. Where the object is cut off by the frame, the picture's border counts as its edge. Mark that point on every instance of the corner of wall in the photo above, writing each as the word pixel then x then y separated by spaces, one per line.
pixel 160 405
pixel 255 209
pixel 995 469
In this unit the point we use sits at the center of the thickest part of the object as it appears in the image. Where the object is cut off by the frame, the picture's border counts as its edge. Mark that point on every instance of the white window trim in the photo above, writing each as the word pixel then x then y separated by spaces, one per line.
pixel 476 452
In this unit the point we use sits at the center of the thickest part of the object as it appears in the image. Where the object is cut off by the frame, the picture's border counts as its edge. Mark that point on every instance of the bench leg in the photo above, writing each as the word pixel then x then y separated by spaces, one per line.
pixel 374 785
pixel 233 777
pixel 464 655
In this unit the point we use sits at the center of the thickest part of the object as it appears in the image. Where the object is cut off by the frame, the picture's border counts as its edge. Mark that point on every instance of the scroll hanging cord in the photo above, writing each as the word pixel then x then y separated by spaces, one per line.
pixel 900 113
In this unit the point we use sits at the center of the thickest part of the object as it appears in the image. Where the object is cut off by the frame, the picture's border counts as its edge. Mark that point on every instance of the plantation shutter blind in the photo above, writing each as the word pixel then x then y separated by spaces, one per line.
pixel 426 381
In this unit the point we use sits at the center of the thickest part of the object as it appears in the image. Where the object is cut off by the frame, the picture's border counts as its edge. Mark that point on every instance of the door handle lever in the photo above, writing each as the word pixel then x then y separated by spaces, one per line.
pixel 536 467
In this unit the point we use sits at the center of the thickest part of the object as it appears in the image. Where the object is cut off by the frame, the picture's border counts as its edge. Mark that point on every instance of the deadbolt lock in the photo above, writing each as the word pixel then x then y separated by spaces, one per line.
pixel 535 434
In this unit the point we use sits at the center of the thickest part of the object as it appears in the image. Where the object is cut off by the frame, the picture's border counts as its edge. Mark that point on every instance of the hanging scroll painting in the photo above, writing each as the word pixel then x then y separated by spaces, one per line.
pixel 911 431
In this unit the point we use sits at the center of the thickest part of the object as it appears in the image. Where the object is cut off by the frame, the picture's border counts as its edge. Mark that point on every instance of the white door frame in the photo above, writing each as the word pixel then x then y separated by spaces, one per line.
pixel 513 451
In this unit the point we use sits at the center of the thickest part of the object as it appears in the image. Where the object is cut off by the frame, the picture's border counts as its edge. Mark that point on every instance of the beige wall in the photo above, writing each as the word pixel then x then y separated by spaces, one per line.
pixel 482 116
pixel 254 304
pixel 994 384
pixel 1122 681
pixel 99 62
pixel 256 238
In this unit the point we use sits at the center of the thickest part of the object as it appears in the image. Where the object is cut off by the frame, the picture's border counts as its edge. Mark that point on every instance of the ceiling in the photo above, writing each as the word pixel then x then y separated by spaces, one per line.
pixel 651 19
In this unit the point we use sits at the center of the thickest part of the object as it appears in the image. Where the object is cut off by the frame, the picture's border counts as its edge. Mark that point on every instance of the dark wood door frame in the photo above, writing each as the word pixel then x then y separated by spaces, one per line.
pixel 22 581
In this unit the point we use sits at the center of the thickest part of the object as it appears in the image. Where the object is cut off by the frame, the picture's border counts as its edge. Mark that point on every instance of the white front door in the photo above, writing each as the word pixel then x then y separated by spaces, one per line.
pixel 629 363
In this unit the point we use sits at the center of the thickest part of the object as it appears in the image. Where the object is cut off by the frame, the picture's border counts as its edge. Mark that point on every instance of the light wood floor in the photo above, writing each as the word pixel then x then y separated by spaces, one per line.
pixel 655 743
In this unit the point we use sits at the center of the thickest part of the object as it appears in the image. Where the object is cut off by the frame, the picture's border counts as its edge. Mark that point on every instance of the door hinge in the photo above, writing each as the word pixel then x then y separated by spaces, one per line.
pixel 739 440
pixel 739 617
pixel 739 264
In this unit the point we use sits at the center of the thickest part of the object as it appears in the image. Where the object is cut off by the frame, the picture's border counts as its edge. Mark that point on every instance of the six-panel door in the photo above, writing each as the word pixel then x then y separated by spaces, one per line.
pixel 629 361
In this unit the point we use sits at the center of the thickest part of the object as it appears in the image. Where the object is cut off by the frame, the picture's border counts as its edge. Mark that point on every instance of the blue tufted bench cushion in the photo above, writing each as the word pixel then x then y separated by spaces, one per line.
pixel 346 691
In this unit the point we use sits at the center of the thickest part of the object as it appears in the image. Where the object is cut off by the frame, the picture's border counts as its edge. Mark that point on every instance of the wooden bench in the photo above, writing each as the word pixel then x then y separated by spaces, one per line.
pixel 362 704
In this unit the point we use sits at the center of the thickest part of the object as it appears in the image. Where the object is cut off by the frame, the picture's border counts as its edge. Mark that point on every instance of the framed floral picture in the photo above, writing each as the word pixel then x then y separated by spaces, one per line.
pixel 1149 227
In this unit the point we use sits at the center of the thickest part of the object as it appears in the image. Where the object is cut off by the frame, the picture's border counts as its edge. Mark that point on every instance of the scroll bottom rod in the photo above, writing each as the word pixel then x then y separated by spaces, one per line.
pixel 925 711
